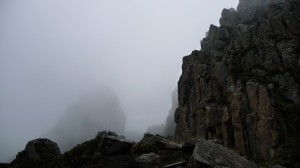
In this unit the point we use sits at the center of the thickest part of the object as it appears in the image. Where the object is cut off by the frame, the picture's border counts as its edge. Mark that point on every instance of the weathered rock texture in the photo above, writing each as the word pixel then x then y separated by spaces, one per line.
pixel 210 155
pixel 243 86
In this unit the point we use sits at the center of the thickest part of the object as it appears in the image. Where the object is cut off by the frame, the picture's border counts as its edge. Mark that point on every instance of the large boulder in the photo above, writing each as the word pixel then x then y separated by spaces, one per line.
pixel 210 155
pixel 154 143
pixel 42 149
pixel 38 152
pixel 158 151
pixel 112 145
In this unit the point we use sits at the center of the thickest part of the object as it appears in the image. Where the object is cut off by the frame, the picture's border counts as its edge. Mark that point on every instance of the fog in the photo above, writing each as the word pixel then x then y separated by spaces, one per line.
pixel 54 51
pixel 93 112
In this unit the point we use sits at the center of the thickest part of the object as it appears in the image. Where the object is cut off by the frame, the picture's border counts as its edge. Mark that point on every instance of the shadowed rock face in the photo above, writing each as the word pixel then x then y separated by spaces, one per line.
pixel 42 149
pixel 37 152
pixel 243 86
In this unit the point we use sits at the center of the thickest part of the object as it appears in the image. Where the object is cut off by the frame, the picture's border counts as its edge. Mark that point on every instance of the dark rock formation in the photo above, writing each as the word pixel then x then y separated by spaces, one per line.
pixel 154 143
pixel 37 153
pixel 111 145
pixel 243 86
pixel 108 150
pixel 157 151
pixel 41 149
pixel 210 155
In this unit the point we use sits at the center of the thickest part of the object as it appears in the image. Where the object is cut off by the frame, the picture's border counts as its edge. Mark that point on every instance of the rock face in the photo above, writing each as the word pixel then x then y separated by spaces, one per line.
pixel 243 86
pixel 210 155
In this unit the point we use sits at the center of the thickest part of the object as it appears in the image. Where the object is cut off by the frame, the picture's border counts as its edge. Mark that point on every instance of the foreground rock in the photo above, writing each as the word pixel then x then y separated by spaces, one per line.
pixel 37 153
pixel 210 155
pixel 157 151
pixel 102 151
pixel 107 151
pixel 112 145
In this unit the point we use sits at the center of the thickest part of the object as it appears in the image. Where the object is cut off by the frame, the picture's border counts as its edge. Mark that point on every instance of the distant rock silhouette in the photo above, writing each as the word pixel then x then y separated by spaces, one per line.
pixel 98 110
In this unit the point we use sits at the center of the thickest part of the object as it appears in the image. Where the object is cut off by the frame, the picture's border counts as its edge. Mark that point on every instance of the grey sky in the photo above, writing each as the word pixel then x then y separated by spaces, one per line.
pixel 52 51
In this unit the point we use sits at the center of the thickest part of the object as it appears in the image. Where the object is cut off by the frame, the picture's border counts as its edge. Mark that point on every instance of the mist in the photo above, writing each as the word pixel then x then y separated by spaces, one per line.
pixel 54 51
pixel 93 112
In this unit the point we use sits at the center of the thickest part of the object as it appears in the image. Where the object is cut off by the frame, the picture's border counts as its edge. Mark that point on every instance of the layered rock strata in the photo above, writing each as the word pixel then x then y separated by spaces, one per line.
pixel 242 87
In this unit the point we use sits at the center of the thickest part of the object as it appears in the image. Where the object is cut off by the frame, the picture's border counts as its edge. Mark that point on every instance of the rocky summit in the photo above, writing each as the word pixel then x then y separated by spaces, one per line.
pixel 242 87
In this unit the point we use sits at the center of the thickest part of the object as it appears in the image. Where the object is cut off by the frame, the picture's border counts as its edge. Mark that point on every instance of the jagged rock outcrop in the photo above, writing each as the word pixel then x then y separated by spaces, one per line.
pixel 243 86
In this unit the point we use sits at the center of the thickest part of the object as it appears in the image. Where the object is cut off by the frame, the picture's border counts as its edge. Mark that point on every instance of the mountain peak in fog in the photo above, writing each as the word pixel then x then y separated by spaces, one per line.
pixel 92 112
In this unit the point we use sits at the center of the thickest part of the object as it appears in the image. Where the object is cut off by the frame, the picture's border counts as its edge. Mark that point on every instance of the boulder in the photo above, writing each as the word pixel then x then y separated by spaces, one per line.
pixel 210 155
pixel 38 152
pixel 154 143
pixel 148 160
pixel 112 145
pixel 42 149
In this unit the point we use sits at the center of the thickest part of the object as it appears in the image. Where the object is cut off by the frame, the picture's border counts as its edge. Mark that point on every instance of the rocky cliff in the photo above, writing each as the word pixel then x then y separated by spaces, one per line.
pixel 242 87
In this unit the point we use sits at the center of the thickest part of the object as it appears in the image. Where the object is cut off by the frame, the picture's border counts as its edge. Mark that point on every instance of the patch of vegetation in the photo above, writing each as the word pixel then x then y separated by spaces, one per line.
pixel 108 133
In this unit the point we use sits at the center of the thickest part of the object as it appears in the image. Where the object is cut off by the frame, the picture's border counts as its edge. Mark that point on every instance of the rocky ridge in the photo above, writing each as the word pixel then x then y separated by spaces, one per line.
pixel 242 87
pixel 108 150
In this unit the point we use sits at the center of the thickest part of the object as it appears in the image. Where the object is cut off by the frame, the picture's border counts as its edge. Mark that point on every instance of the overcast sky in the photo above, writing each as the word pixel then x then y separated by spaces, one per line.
pixel 52 51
